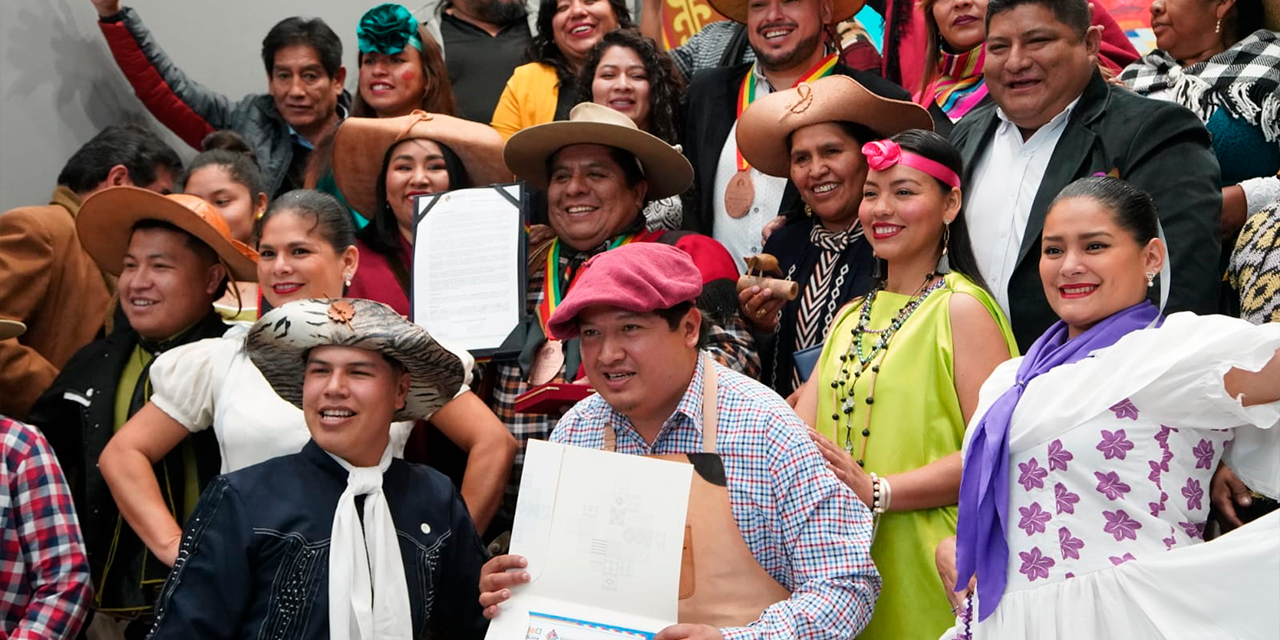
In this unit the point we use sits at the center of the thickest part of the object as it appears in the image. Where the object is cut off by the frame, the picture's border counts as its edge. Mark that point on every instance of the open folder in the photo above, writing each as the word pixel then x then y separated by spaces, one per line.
pixel 469 277
pixel 603 534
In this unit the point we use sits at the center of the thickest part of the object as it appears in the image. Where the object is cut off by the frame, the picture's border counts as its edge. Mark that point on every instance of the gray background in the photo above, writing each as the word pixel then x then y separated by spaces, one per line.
pixel 59 84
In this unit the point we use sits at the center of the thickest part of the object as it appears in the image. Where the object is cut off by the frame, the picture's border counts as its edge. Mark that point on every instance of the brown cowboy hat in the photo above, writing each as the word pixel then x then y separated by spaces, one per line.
pixel 767 125
pixel 361 146
pixel 106 219
pixel 736 10
pixel 1271 14
pixel 11 328
pixel 664 167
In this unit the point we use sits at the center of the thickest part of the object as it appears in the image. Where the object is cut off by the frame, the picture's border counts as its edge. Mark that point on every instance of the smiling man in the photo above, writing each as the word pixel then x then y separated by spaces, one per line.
pixel 599 170
pixel 735 201
pixel 173 255
pixel 304 99
pixel 1054 119
pixel 789 542
pixel 339 540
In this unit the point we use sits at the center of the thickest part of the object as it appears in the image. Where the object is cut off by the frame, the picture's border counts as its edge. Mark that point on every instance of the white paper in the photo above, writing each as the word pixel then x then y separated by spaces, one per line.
pixel 466 267
pixel 603 534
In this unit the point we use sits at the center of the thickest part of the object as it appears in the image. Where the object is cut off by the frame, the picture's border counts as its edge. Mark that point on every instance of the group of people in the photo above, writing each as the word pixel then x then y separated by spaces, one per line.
pixel 217 419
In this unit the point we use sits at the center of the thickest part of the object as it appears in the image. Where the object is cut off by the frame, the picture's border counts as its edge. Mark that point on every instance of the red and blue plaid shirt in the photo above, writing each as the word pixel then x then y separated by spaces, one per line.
pixel 44 572
pixel 806 528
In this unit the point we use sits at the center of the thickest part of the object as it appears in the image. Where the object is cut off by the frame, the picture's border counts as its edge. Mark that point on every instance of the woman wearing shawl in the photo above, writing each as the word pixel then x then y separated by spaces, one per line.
pixel 1085 485
pixel 1216 58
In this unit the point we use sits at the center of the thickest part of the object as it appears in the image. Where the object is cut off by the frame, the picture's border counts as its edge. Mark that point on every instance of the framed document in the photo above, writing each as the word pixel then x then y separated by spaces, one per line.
pixel 469 276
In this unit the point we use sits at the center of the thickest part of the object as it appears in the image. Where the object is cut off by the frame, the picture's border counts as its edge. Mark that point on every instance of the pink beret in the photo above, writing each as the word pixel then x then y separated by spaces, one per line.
pixel 639 277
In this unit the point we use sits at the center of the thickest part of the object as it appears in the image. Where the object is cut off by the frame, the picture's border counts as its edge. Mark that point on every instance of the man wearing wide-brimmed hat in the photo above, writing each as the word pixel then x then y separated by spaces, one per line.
pixel 599 170
pixel 775 545
pixel 174 256
pixel 285 548
pixel 735 201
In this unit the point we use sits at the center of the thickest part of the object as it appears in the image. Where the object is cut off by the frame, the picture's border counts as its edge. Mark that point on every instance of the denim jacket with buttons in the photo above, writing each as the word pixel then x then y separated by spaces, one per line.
pixel 254 558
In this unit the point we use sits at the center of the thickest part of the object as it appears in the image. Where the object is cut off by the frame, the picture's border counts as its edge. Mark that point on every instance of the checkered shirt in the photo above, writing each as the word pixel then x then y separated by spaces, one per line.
pixel 44 573
pixel 731 345
pixel 805 528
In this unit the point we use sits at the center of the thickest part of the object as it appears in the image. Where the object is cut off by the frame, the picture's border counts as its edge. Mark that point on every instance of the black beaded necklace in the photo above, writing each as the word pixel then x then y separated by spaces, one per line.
pixel 856 361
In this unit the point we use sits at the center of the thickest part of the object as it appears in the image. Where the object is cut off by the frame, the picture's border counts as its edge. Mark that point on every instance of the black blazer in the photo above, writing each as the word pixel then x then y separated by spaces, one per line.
pixel 1158 146
pixel 710 112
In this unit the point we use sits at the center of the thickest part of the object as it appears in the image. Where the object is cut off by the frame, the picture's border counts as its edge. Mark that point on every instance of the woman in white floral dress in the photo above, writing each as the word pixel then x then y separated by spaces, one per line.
pixel 1087 470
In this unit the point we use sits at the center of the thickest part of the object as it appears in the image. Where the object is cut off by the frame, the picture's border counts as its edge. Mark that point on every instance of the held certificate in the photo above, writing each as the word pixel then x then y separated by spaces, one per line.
pixel 603 534
pixel 468 267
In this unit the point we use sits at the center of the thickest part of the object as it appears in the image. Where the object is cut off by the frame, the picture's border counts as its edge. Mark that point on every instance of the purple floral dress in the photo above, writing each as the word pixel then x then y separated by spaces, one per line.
pixel 1110 463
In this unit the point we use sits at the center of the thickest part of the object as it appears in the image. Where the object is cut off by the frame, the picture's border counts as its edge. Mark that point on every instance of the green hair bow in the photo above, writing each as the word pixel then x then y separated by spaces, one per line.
pixel 388 29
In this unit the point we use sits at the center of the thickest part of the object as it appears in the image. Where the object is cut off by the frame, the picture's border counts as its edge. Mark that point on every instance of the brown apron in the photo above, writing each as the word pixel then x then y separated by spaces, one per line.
pixel 721 584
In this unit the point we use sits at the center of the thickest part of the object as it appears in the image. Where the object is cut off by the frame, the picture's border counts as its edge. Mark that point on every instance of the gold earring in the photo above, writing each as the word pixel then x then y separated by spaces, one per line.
pixel 807 211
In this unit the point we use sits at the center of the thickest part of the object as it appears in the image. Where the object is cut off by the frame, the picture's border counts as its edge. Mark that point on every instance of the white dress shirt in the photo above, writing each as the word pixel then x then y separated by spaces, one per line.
pixel 1006 177
pixel 741 236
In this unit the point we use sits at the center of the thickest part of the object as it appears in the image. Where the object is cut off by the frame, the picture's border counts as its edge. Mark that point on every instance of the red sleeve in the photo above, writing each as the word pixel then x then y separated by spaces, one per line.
pixel 1117 51
pixel 150 87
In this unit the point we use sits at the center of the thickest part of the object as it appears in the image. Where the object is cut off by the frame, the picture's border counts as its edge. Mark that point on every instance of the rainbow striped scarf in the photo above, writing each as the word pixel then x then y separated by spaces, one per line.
pixel 960 85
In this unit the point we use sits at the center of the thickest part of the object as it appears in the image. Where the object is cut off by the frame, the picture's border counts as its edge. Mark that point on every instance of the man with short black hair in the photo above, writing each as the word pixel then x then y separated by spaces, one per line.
pixel 47 280
pixel 174 255
pixel 736 201
pixel 1055 119
pixel 303 104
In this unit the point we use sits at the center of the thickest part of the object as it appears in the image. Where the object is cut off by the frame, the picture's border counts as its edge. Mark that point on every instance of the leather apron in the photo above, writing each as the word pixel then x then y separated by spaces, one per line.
pixel 721 583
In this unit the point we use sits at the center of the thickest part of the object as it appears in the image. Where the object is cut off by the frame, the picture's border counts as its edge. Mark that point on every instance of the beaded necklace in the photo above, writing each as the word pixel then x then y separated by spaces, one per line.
pixel 857 360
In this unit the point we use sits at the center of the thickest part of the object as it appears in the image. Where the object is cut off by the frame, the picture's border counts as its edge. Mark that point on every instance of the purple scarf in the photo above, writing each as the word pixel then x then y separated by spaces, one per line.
pixel 981 546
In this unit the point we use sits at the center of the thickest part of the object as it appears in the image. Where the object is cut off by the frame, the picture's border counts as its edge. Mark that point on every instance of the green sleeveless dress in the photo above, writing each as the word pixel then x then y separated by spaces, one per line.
pixel 915 420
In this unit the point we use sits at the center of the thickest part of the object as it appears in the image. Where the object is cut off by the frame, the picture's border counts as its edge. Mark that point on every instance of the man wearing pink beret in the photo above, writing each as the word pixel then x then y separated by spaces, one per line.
pixel 777 547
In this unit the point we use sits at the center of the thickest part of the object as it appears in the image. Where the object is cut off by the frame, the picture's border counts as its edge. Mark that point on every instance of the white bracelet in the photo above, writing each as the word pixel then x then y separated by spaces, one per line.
pixel 887 494
pixel 877 495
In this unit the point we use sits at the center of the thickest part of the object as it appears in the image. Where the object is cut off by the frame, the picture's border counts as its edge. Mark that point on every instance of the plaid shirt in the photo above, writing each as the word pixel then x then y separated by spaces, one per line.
pixel 805 528
pixel 731 345
pixel 44 577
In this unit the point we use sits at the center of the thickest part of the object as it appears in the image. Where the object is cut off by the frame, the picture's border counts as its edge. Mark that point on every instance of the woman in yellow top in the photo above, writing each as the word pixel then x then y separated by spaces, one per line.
pixel 899 374
pixel 544 89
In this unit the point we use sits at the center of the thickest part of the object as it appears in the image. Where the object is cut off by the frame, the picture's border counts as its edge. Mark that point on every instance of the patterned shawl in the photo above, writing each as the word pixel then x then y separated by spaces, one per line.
pixel 1244 80
pixel 960 85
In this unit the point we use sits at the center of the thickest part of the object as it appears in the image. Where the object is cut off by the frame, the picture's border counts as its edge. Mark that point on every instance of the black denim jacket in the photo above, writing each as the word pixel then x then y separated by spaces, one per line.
pixel 254 560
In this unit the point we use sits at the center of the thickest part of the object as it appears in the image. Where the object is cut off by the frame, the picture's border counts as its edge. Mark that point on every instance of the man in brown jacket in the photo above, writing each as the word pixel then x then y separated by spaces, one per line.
pixel 46 278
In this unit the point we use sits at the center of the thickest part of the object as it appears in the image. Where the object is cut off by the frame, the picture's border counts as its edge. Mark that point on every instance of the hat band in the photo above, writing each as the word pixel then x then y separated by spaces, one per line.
pixel 883 155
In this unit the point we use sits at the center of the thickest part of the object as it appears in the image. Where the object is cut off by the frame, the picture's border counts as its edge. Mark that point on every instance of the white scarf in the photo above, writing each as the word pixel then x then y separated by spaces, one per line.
pixel 366 602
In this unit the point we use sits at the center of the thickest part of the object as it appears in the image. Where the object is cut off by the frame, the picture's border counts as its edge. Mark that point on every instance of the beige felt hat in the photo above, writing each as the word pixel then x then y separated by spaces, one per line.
pixel 665 168
pixel 106 219
pixel 11 329
pixel 278 344
pixel 736 10
pixel 766 125
pixel 361 144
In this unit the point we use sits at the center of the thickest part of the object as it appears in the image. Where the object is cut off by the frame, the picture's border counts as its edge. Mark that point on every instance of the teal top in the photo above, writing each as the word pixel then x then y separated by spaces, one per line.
pixel 1241 149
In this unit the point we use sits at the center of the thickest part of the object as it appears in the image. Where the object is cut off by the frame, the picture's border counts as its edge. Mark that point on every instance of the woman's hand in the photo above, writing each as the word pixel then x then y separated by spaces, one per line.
pixel 843 466
pixel 760 308
pixel 496 581
pixel 1226 490
pixel 944 556
pixel 771 226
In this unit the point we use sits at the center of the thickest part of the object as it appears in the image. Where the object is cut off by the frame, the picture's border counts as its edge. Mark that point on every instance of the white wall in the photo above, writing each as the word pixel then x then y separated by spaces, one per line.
pixel 59 84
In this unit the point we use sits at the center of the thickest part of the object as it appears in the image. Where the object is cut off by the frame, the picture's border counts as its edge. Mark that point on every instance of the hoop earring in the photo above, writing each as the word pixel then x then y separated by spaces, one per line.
pixel 1151 279
pixel 944 265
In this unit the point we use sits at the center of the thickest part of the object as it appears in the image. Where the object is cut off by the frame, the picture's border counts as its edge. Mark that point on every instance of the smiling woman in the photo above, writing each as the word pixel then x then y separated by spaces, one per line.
pixel 544 89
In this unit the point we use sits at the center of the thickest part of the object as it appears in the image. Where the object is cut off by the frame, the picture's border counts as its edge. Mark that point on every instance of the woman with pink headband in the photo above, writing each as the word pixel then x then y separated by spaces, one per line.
pixel 899 374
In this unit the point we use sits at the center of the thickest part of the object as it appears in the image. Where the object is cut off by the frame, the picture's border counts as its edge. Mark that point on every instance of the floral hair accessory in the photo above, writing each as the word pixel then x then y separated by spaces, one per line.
pixel 387 29
pixel 882 155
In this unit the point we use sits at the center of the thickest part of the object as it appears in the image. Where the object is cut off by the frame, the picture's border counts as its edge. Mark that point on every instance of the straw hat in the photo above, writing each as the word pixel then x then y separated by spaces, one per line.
pixel 766 125
pixel 736 10
pixel 664 167
pixel 278 344
pixel 11 329
pixel 361 146
pixel 106 219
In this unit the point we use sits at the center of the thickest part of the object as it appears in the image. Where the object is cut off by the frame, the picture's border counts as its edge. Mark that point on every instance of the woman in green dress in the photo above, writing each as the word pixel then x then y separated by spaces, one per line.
pixel 899 374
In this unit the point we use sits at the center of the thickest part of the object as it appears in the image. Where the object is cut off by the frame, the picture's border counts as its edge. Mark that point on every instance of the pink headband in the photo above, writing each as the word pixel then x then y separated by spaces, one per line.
pixel 884 154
